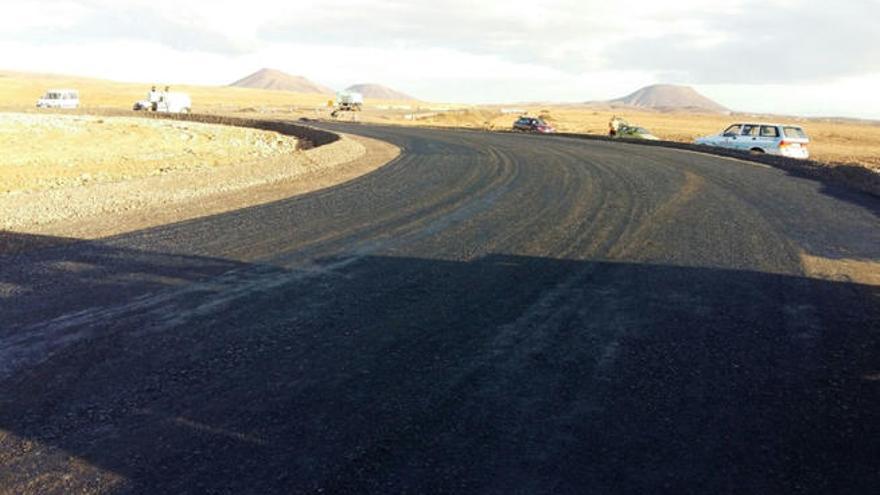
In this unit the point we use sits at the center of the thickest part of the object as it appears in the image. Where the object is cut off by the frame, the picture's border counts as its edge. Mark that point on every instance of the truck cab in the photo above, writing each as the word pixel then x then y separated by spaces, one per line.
pixel 167 102
pixel 349 101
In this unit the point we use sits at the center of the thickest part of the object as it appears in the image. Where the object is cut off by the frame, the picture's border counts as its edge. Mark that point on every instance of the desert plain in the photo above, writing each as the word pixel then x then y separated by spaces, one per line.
pixel 834 141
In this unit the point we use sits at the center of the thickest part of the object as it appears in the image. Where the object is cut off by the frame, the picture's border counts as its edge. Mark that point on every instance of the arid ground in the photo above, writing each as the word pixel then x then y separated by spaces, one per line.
pixel 94 176
pixel 834 141
pixel 43 151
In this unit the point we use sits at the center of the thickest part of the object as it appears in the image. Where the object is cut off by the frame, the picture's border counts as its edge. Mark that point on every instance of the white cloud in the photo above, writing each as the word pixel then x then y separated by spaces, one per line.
pixel 22 17
pixel 772 41
pixel 121 61
pixel 848 97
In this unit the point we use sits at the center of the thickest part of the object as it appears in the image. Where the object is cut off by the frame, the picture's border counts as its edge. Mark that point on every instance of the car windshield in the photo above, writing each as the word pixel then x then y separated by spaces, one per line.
pixel 794 132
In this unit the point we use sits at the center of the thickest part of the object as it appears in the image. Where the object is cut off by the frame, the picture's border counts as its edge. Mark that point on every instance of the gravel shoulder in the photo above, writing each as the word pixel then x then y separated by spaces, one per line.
pixel 261 174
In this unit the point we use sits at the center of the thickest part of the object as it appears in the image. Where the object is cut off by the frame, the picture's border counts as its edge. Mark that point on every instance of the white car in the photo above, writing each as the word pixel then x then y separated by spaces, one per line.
pixel 773 139
pixel 59 98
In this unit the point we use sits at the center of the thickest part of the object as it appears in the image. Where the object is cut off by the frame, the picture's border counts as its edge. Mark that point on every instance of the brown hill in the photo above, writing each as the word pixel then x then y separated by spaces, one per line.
pixel 379 92
pixel 668 97
pixel 279 81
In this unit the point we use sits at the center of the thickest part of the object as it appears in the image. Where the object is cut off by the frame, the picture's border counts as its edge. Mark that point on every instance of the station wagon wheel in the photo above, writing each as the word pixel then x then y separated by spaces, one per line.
pixel 756 151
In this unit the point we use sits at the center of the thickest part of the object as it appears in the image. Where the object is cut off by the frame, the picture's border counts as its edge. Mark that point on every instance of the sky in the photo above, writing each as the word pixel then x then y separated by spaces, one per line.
pixel 806 57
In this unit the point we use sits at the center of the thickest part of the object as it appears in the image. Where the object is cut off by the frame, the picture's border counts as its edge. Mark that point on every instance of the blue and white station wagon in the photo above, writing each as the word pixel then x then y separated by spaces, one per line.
pixel 773 139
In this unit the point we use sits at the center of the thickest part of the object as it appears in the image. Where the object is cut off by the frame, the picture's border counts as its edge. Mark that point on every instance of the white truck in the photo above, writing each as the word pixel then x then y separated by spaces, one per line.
pixel 349 101
pixel 166 102
pixel 59 98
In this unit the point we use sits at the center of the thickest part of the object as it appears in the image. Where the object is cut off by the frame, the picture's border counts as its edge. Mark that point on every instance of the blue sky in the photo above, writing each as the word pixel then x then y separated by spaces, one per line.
pixel 785 56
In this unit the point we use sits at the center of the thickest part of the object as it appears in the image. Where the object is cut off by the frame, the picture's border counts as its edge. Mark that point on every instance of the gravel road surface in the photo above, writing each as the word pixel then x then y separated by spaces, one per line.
pixel 487 313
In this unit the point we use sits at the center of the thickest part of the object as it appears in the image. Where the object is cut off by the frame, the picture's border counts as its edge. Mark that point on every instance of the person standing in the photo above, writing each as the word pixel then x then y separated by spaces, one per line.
pixel 153 99
pixel 613 126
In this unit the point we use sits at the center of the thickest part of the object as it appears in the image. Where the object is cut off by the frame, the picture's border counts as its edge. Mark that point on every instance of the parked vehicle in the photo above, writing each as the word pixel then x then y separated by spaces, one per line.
pixel 533 124
pixel 165 102
pixel 59 98
pixel 773 139
pixel 349 101
pixel 632 132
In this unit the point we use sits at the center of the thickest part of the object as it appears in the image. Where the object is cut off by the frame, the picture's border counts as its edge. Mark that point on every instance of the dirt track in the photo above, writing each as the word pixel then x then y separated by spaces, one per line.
pixel 486 314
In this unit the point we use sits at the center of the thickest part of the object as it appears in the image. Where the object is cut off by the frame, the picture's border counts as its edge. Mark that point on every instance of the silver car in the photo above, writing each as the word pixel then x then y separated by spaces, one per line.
pixel 773 139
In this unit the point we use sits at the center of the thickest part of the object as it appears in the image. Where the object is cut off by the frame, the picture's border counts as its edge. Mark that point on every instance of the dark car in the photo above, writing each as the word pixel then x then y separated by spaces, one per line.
pixel 532 124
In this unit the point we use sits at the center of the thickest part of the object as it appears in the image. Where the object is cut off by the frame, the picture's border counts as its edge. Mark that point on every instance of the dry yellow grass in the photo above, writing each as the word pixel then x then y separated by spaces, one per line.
pixel 22 90
pixel 42 152
pixel 834 142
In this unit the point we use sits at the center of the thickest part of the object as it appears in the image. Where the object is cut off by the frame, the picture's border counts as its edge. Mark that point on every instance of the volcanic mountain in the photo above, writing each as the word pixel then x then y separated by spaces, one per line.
pixel 279 81
pixel 379 92
pixel 668 97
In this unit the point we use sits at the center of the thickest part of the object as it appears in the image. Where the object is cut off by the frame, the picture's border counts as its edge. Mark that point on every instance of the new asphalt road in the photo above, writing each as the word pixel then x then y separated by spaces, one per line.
pixel 488 313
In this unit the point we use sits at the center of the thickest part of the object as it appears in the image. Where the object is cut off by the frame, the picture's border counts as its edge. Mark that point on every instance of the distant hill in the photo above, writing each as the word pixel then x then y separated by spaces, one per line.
pixel 279 81
pixel 668 97
pixel 379 92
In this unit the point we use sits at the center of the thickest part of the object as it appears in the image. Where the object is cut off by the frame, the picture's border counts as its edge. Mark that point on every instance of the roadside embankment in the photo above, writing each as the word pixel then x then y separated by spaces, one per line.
pixel 93 176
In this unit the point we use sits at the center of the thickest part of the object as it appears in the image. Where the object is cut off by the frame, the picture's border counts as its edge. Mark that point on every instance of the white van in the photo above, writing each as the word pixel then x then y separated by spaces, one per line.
pixel 59 98
pixel 773 139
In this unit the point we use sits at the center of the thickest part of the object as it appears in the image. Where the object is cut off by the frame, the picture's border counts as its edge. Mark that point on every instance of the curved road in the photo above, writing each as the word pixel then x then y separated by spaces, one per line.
pixel 486 314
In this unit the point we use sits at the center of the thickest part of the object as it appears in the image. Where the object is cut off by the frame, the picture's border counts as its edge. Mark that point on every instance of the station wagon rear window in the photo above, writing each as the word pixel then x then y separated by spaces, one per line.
pixel 769 131
pixel 794 132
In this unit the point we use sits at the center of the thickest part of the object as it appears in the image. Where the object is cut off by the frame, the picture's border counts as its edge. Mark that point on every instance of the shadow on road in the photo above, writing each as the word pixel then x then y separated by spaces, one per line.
pixel 43 277
pixel 505 374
